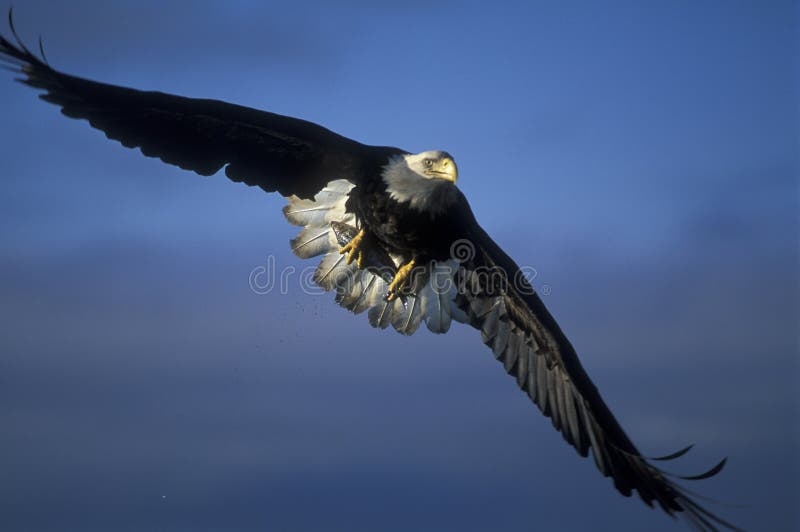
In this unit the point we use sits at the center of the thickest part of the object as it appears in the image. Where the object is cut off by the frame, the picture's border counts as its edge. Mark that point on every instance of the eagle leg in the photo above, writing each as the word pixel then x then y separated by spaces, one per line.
pixel 400 280
pixel 354 249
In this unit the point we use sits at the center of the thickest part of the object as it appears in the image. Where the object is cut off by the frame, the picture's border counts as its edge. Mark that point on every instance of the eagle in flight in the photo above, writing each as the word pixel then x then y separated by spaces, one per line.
pixel 397 238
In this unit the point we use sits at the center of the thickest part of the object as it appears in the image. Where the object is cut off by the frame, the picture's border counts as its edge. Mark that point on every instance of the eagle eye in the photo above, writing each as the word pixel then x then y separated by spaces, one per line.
pixel 428 163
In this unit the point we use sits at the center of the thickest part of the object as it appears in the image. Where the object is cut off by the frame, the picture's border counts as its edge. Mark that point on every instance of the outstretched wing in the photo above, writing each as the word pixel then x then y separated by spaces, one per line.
pixel 274 152
pixel 482 286
pixel 524 337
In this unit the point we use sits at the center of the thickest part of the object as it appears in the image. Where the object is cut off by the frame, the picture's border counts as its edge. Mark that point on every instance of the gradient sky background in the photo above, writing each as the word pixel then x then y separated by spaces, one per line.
pixel 642 156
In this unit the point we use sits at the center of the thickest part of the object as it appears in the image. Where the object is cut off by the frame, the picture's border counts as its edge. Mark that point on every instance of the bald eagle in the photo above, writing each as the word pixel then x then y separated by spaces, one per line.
pixel 397 240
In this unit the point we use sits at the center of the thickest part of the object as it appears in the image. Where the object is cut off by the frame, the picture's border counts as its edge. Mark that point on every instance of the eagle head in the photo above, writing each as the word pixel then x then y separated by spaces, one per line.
pixel 433 164
pixel 424 180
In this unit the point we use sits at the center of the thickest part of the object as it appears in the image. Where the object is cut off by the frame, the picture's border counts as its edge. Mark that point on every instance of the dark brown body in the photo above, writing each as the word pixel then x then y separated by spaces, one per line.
pixel 407 231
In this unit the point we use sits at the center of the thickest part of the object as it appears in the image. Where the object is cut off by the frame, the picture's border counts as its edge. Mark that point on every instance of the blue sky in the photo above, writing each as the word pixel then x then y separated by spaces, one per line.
pixel 641 156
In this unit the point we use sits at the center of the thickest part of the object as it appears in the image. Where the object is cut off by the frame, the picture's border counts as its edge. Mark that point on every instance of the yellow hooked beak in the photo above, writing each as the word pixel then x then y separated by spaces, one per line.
pixel 444 168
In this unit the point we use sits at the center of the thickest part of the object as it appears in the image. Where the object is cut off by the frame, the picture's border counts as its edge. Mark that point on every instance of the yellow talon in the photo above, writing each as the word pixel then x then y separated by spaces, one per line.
pixel 400 279
pixel 353 249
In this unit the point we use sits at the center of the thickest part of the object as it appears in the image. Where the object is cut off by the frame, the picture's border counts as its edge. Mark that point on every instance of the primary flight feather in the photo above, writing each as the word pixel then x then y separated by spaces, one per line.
pixel 397 238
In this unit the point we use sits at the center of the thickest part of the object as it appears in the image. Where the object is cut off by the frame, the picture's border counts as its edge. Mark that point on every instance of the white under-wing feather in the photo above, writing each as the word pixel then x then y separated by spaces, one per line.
pixel 326 207
pixel 312 241
pixel 316 215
